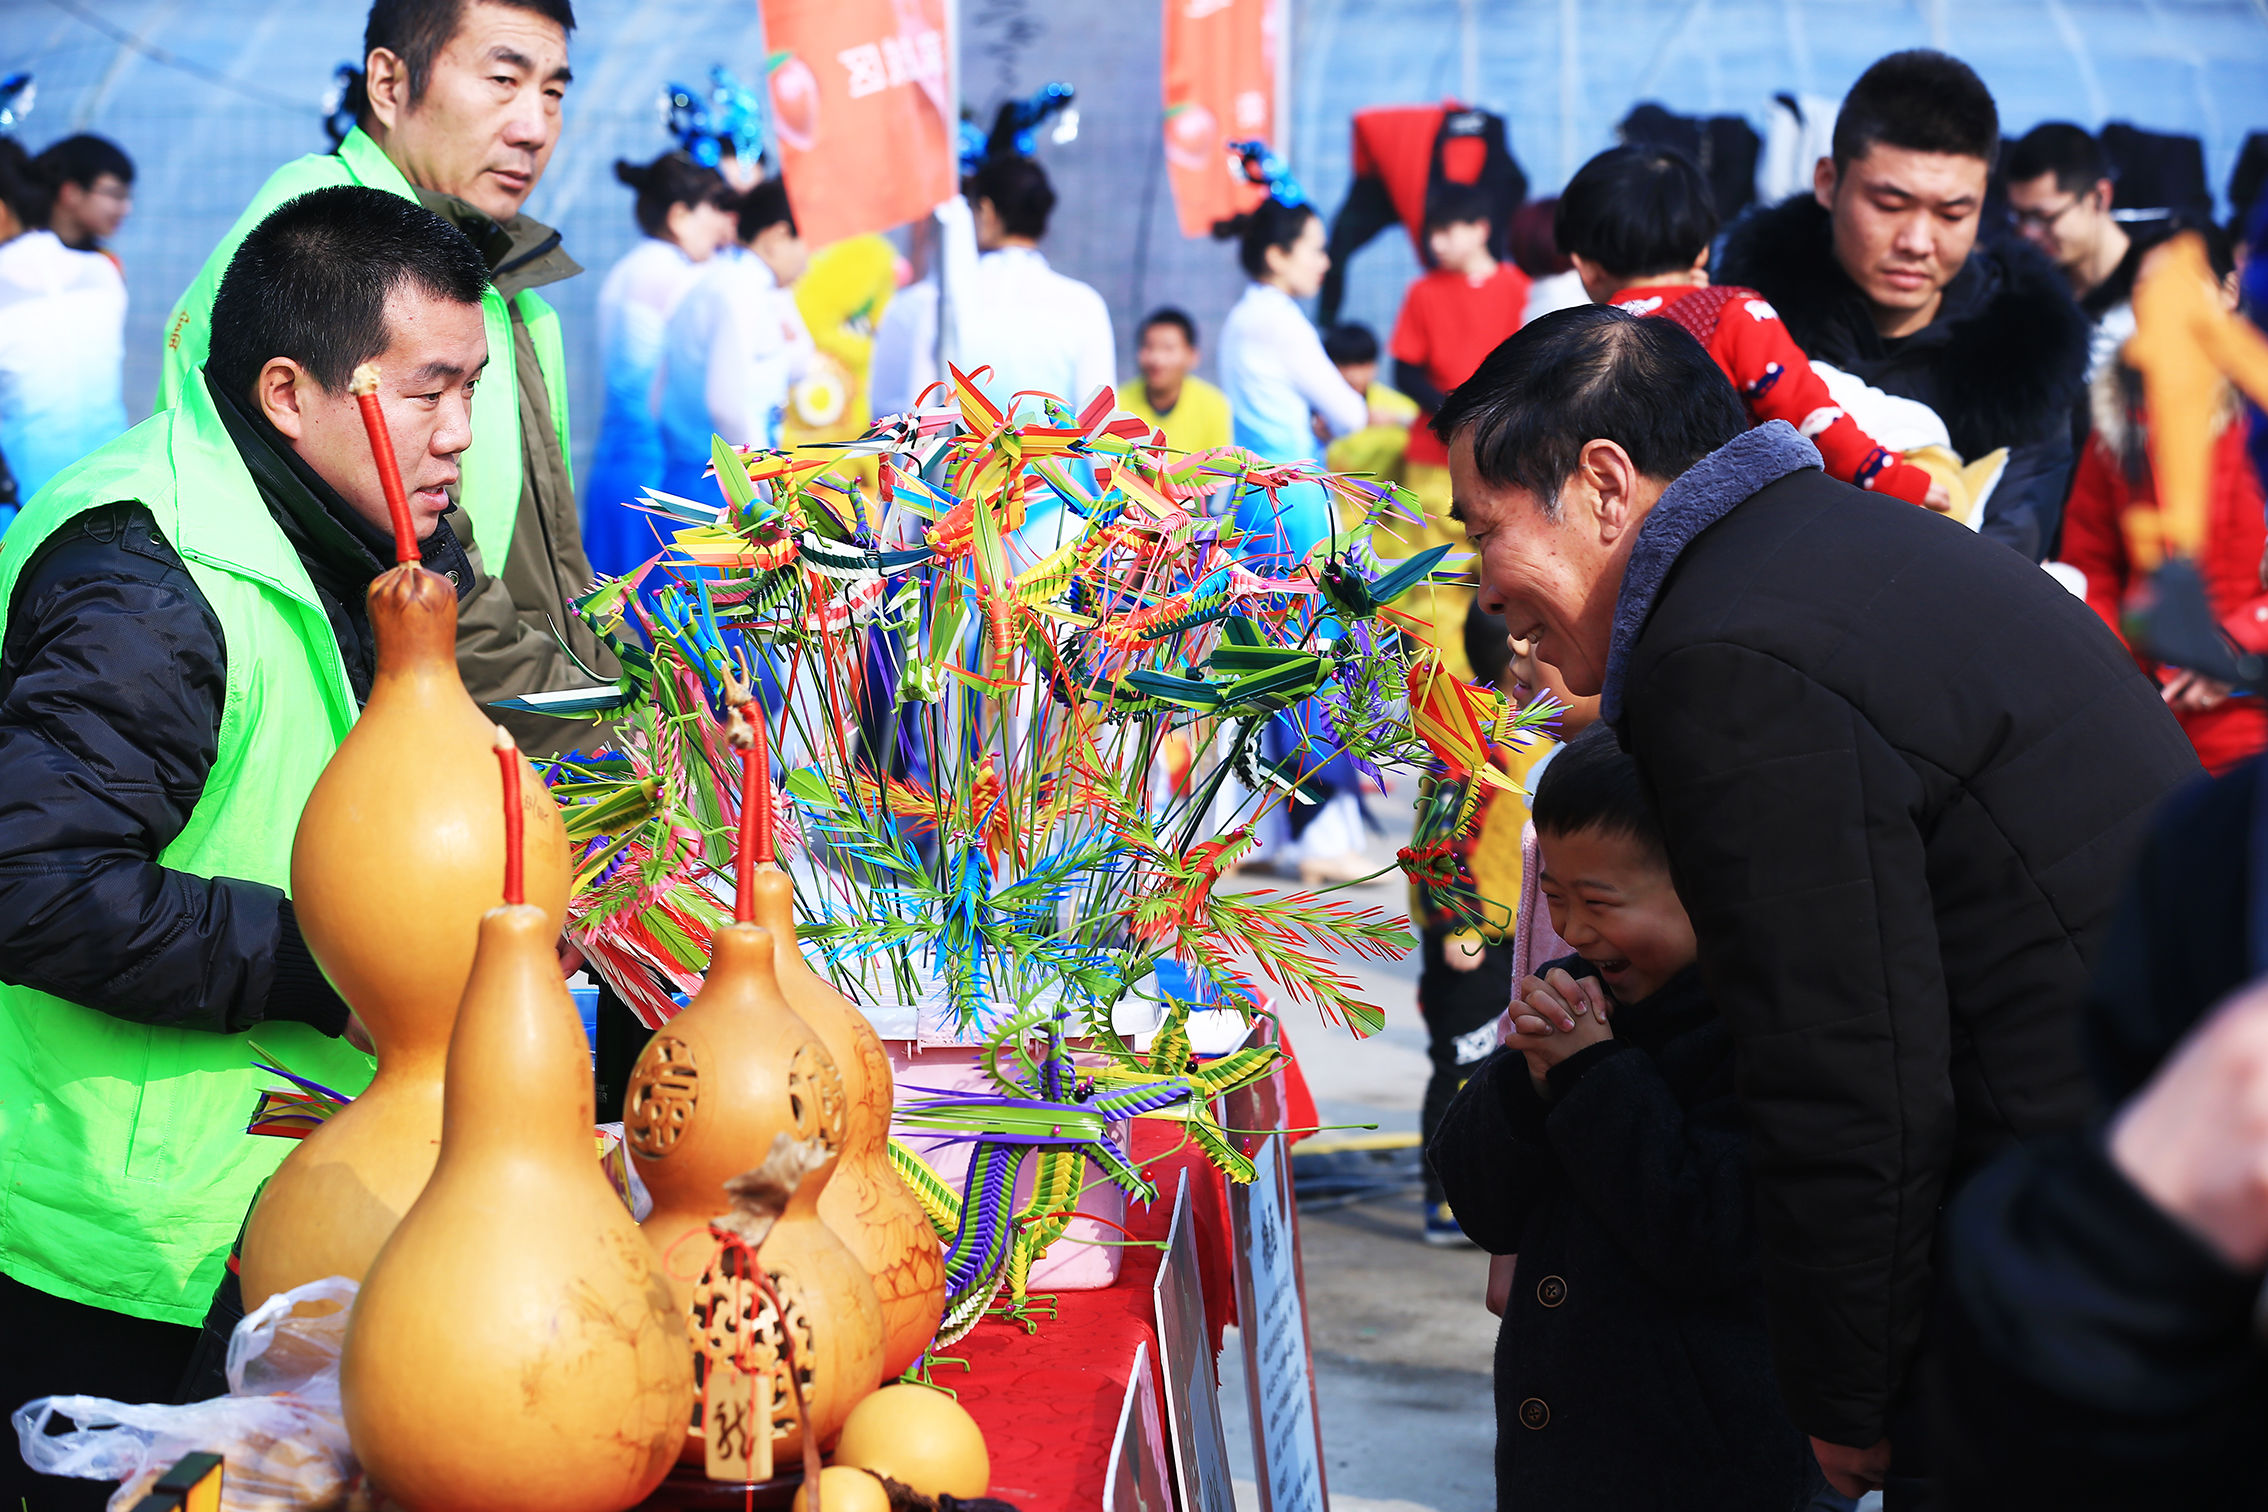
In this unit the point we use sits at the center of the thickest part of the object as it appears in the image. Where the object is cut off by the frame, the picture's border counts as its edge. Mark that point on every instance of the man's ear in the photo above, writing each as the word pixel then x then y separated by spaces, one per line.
pixel 1822 182
pixel 2109 192
pixel 1610 480
pixel 386 83
pixel 277 392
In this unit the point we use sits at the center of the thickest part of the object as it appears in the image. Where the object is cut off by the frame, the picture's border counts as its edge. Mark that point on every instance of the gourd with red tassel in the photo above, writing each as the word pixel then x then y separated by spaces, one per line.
pixel 394 864
pixel 515 1344
pixel 866 1203
pixel 711 1092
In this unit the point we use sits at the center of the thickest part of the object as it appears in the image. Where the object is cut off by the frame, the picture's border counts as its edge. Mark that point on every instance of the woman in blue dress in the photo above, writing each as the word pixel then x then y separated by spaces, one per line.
pixel 1282 389
pixel 686 213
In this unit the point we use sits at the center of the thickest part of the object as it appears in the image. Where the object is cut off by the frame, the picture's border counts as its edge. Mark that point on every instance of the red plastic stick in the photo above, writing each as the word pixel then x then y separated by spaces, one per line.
pixel 760 752
pixel 754 801
pixel 508 762
pixel 365 391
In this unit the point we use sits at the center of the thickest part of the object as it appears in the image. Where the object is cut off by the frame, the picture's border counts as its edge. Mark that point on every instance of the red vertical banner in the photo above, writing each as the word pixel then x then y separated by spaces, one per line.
pixel 860 112
pixel 1220 87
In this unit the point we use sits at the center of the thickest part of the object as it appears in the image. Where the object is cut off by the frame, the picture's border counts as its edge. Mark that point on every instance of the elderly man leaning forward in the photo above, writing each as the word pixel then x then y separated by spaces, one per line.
pixel 1900 772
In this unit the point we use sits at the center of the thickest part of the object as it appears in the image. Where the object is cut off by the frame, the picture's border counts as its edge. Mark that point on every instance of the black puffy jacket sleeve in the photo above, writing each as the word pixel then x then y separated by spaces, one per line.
pixel 112 680
pixel 1811 898
pixel 2097 1354
pixel 1491 1152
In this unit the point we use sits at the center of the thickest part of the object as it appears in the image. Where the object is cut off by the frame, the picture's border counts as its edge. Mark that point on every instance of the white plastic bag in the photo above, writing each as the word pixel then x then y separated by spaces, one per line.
pixel 280 1427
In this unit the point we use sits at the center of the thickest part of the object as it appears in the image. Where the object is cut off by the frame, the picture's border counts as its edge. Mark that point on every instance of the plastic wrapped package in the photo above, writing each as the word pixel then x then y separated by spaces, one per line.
pixel 280 1428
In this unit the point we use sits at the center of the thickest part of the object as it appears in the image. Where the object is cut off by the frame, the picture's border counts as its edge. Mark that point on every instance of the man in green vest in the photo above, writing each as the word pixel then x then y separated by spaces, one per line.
pixel 459 110
pixel 183 644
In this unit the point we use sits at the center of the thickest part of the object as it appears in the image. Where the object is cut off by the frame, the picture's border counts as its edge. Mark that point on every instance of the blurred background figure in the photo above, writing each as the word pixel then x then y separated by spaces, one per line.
pixel 2060 192
pixel 62 309
pixel 686 214
pixel 1192 413
pixel 94 190
pixel 735 345
pixel 2115 482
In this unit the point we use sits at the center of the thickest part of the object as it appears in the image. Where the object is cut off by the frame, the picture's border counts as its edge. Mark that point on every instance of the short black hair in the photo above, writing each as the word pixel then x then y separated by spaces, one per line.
pixel 416 31
pixel 2069 152
pixel 1019 192
pixel 1588 373
pixel 765 206
pixel 1171 315
pixel 1593 784
pixel 1636 210
pixel 312 281
pixel 1922 100
pixel 1486 645
pixel 24 189
pixel 670 180
pixel 84 158
pixel 1269 224
pixel 1350 343
pixel 1455 204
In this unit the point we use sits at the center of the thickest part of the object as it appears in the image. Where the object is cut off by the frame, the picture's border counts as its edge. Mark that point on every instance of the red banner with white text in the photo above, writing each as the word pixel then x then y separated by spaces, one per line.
pixel 1220 87
pixel 859 112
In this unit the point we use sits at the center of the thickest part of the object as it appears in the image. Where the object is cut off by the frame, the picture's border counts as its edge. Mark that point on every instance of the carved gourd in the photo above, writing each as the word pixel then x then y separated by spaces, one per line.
pixel 866 1203
pixel 394 863
pixel 708 1095
pixel 514 1344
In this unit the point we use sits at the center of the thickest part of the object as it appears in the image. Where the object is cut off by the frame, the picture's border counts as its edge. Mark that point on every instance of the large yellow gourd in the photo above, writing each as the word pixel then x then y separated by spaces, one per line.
pixel 515 1344
pixel 394 862
pixel 712 1090
pixel 866 1203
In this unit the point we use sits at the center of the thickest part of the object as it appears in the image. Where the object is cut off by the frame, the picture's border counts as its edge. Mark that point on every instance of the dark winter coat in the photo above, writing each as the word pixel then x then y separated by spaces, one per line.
pixel 2097 1355
pixel 113 675
pixel 1632 1369
pixel 2002 364
pixel 1900 773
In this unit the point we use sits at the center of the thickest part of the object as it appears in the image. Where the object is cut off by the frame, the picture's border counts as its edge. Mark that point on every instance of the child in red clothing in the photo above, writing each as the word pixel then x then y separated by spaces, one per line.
pixel 2114 479
pixel 1455 315
pixel 1637 223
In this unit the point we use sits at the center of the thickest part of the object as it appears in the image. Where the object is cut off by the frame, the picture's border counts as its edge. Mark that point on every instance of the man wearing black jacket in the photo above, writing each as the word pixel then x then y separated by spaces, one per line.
pixel 183 642
pixel 1880 273
pixel 1900 774
pixel 2101 1350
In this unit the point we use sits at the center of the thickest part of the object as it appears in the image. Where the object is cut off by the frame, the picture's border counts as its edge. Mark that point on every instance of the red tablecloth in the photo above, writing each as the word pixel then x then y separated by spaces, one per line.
pixel 1049 1402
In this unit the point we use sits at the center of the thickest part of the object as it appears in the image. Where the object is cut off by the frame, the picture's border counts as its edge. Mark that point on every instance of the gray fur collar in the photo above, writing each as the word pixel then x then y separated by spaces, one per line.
pixel 1698 498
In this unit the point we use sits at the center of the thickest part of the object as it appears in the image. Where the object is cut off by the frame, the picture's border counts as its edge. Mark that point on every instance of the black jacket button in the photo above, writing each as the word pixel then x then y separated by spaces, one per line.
pixel 1533 1413
pixel 1551 1291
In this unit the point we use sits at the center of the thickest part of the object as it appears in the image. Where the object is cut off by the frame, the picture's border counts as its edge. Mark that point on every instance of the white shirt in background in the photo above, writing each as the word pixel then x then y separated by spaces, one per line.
pixel 735 345
pixel 1554 291
pixel 62 355
pixel 1276 374
pixel 1034 327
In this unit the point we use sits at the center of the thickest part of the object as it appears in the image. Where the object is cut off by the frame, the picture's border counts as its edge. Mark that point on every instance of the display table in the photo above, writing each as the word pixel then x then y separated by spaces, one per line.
pixel 1049 1402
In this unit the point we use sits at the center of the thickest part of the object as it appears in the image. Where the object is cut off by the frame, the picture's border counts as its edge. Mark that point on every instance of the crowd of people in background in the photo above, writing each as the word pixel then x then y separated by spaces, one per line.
pixel 1842 795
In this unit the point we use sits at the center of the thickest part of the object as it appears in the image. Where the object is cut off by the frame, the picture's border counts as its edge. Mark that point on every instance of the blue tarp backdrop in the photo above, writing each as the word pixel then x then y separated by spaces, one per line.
pixel 209 95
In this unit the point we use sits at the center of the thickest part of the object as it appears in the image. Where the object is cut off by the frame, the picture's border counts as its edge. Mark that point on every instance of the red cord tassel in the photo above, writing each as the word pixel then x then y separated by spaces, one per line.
pixel 508 761
pixel 365 390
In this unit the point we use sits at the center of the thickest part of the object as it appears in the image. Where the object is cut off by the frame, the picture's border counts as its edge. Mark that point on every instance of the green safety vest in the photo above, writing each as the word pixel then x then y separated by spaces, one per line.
pixel 125 1168
pixel 490 493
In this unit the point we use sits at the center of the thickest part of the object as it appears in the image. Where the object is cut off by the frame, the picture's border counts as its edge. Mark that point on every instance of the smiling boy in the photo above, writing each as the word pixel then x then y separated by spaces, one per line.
pixel 1604 1145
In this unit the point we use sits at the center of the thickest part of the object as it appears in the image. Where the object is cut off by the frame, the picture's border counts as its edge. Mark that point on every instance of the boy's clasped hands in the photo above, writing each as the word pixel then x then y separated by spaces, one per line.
pixel 1555 1015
